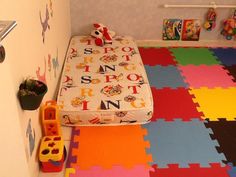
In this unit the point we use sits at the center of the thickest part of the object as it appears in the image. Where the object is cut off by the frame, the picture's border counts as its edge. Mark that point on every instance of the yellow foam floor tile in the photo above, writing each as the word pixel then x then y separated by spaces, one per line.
pixel 216 103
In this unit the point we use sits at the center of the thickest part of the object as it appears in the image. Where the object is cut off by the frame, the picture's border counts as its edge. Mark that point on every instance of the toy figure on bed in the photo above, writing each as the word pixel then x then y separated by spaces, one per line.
pixel 229 27
pixel 102 34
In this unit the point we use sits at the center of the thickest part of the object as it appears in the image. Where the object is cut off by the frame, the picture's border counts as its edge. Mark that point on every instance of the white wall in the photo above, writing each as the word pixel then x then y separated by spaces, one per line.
pixel 26 53
pixel 141 19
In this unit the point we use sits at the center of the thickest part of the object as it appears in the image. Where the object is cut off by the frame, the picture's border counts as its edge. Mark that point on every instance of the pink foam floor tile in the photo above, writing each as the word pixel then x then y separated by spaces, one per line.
pixel 207 76
pixel 115 171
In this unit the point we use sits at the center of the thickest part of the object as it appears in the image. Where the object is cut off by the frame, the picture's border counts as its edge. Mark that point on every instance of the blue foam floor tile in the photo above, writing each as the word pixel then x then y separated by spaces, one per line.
pixel 165 76
pixel 227 56
pixel 232 171
pixel 178 142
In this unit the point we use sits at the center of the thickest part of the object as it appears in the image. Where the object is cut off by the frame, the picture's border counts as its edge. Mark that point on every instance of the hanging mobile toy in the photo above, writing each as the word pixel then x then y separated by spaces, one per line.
pixel 229 27
pixel 210 20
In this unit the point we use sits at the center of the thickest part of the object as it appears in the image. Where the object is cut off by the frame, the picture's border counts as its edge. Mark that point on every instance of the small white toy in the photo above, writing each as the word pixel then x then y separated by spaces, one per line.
pixel 102 34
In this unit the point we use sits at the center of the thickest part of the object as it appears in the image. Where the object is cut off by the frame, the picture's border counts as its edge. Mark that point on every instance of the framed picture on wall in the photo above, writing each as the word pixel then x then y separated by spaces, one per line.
pixel 171 29
pixel 191 30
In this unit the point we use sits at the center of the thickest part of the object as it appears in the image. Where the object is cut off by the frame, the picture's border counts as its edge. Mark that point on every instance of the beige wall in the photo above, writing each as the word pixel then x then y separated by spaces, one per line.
pixel 26 52
pixel 141 19
pixel 12 147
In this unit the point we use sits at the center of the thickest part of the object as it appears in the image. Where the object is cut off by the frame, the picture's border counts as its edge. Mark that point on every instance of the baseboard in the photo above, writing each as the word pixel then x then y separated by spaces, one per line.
pixel 202 43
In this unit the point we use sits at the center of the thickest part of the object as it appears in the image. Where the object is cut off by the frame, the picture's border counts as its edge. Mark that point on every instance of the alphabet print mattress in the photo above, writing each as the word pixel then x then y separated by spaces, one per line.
pixel 104 85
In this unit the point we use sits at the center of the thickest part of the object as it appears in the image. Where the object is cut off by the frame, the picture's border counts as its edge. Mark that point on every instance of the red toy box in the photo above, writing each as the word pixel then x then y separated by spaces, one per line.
pixel 52 154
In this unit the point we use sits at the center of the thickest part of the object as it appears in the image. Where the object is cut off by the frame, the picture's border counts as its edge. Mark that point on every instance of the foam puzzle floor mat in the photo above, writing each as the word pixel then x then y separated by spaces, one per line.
pixel 193 129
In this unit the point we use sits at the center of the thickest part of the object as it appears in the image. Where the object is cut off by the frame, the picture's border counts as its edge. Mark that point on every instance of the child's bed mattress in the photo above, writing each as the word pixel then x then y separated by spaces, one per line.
pixel 104 85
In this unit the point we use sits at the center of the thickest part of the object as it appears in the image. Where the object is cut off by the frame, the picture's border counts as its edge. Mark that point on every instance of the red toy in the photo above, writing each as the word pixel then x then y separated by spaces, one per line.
pixel 229 27
pixel 52 153
pixel 102 34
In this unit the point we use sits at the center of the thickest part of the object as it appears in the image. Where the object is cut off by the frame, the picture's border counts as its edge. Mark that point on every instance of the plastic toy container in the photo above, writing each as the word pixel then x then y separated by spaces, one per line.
pixel 50 119
pixel 52 154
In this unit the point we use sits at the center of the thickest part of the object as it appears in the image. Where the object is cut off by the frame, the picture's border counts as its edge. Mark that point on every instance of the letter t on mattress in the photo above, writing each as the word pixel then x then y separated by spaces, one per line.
pixel 104 85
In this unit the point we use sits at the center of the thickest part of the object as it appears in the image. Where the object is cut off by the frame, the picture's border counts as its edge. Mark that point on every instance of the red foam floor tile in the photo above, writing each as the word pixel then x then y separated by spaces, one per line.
pixel 172 104
pixel 156 56
pixel 194 170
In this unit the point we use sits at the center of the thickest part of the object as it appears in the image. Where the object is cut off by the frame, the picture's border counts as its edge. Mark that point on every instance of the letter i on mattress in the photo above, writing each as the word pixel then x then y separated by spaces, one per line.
pixel 104 85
